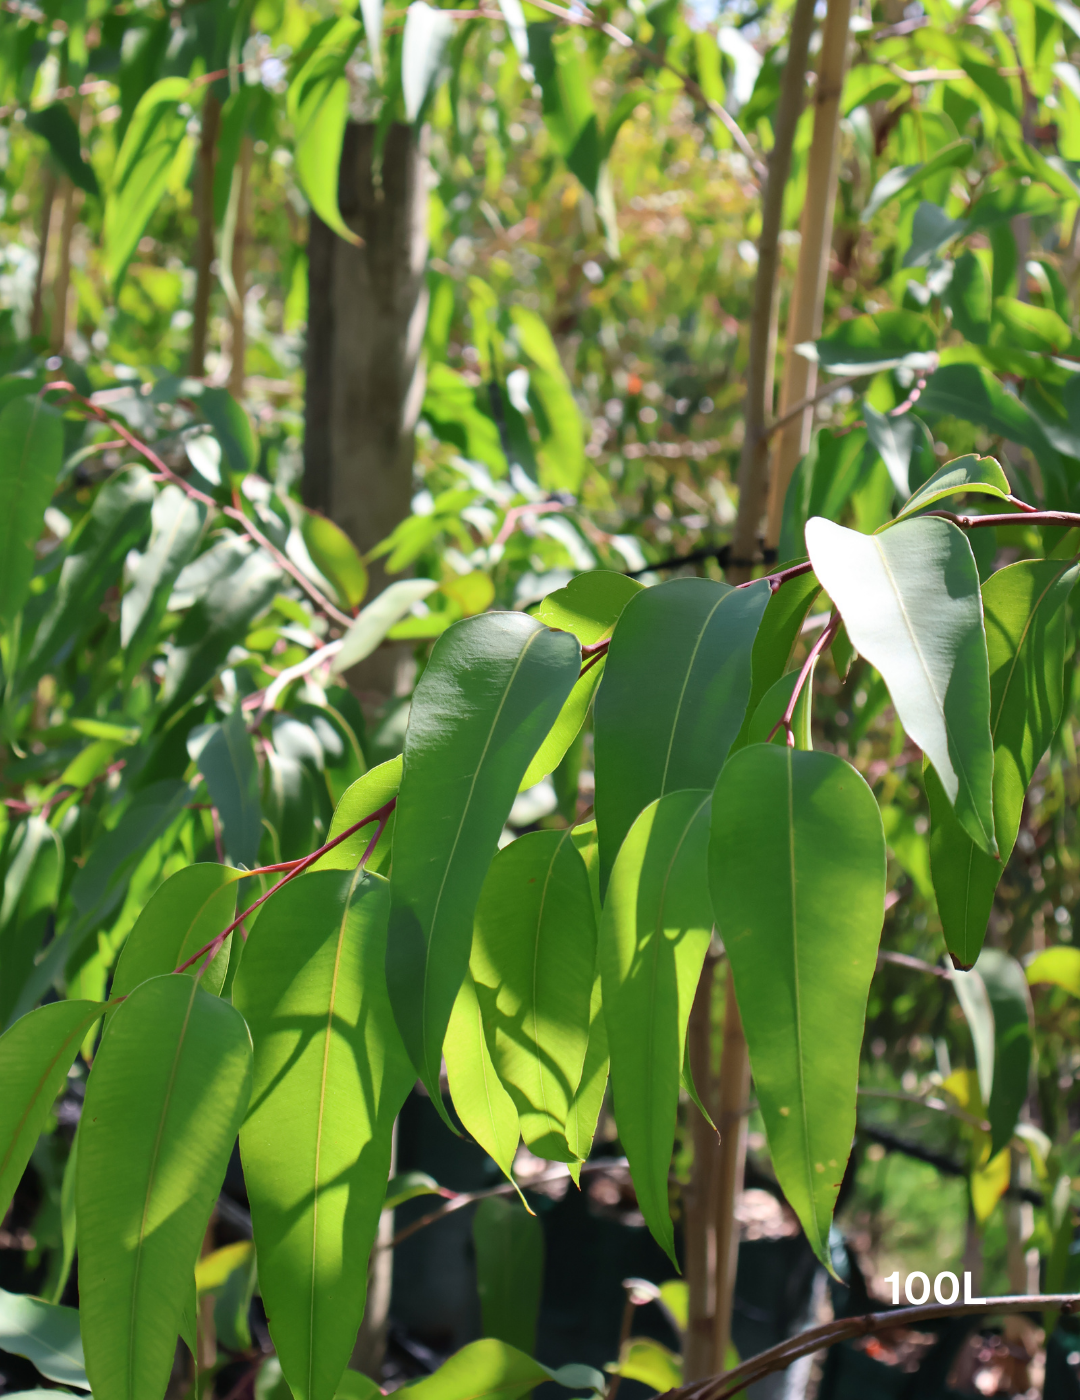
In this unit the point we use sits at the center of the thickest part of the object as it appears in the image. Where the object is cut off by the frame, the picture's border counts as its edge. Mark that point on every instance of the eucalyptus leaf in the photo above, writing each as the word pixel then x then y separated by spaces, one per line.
pixel 509 1243
pixel 31 449
pixel 183 914
pixel 1007 989
pixel 177 525
pixel 373 623
pixel 225 756
pixel 427 34
pixel 46 1334
pixel 980 475
pixel 486 1110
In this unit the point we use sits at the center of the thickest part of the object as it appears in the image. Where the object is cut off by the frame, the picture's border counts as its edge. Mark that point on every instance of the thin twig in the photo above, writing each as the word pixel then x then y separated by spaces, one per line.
pixel 779 1358
pixel 804 404
pixel 825 640
pixel 938 1105
pixel 915 964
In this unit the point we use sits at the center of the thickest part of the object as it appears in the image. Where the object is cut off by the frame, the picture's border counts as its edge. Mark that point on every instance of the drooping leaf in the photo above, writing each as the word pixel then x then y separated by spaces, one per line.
pixel 975 1003
pixel 490 693
pixel 561 459
pixel 1007 988
pixel 654 933
pixel 35 861
pixel 771 710
pixel 645 1360
pixel 427 34
pixel 1059 965
pixel 35 1056
pixel 911 604
pixel 777 633
pixel 408 1186
pixel 147 1178
pixel 328 1062
pixel 905 177
pixel 152 147
pixel 674 697
pixel 366 795
pixel 31 449
pixel 46 1334
pixel 867 344
pixel 183 914
pixel 509 1243
pixel 1025 610
pixel 217 621
pixel 981 475
pixel 532 963
pixel 567 105
pixel 589 607
pixel 492 1370
pixel 486 1110
pixel 895 440
pixel 225 756
pixel 374 621
pixel 318 105
pixel 589 1098
pixel 335 556
pixel 797 872
pixel 177 524
pixel 117 521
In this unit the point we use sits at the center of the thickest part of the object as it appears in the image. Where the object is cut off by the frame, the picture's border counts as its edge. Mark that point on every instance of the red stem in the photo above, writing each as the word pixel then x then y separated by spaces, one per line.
pixel 828 632
pixel 381 816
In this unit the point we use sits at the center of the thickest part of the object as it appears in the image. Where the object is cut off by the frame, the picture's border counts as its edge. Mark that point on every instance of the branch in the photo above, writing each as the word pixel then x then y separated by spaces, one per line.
pixel 778 1358
pixel 828 633
pixel 804 404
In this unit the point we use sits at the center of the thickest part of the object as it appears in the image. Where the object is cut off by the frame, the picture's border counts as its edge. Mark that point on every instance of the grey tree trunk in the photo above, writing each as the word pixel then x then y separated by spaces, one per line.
pixel 367 309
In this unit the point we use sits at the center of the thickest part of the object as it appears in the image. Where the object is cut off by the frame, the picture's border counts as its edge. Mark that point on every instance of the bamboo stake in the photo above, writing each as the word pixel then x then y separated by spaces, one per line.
pixel 753 463
pixel 37 312
pixel 811 277
pixel 204 246
pixel 62 280
pixel 700 1235
pixel 241 238
pixel 728 1175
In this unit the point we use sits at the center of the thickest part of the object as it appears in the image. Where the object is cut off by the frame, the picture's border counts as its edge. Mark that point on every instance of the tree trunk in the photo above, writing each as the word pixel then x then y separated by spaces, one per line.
pixel 367 309
pixel 241 240
pixel 811 278
pixel 753 462
pixel 204 244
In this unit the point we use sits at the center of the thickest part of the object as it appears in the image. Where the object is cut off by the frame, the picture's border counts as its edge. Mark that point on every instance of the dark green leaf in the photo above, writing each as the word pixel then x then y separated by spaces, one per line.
pixel 56 124
pixel 673 698
pixel 100 884
pixel 866 344
pixel 797 870
pixel 177 525
pixel 781 622
pixel 172 1058
pixel 225 756
pixel 509 1243
pixel 329 1062
pixel 907 177
pixel 31 449
pixel 1007 989
pixel 968 297
pixel 491 691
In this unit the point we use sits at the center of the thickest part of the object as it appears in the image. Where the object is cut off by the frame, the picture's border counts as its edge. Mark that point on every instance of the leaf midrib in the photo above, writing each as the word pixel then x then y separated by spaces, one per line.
pixel 536 973
pixel 686 681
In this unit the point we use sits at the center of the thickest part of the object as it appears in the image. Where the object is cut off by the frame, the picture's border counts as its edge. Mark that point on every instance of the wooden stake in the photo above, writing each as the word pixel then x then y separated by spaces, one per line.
pixel 811 278
pixel 728 1178
pixel 241 239
pixel 204 244
pixel 37 312
pixel 58 332
pixel 753 462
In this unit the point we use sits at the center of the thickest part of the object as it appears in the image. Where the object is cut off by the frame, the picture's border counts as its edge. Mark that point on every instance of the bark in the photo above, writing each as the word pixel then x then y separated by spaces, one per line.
pixel 811 278
pixel 37 312
pixel 70 200
pixel 367 309
pixel 204 242
pixel 753 462
pixel 241 242
pixel 700 1235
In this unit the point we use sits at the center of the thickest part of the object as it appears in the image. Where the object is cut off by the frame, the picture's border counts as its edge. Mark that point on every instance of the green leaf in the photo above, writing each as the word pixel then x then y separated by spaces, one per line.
pixel 492 1370
pixel 979 1014
pixel 1012 200
pixel 329 1063
pixel 427 34
pixel 1021 326
pixel 35 1056
pixel 45 1334
pixel 968 296
pixel 532 962
pixel 509 1242
pixel 491 691
pixel 931 229
pixel 35 864
pixel 217 621
pixel 366 795
pixel 673 699
pixel 907 177
pixel 797 871
pixel 335 557
pixel 772 706
pixel 561 454
pixel 781 623
pixel 172 1057
pixel 177 526
pixel 589 607
pixel 100 884
pixel 654 934
pixel 645 1360
pixel 867 344
pixel 981 475
pixel 911 604
pixel 895 440
pixel 225 756
pixel 117 521
pixel 1007 988
pixel 182 915
pixel 56 124
pixel 1059 965
pixel 589 1098
pixel 318 103
pixel 151 148
pixel 374 621
pixel 408 1186
pixel 31 450
pixel 1025 610
pixel 566 101
pixel 486 1110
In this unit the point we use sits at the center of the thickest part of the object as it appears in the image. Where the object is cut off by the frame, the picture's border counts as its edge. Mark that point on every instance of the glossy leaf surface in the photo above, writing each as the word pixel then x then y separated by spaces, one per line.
pixel 486 1110
pixel 329 1063
pixel 532 962
pixel 225 756
pixel 31 447
pixel 654 933
pixel 490 693
pixel 181 916
pixel 911 604
pixel 981 475
pixel 490 1368
pixel 1025 609
pixel 146 1181
pixel 777 633
pixel 673 699
pixel 45 1334
pixel 797 872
